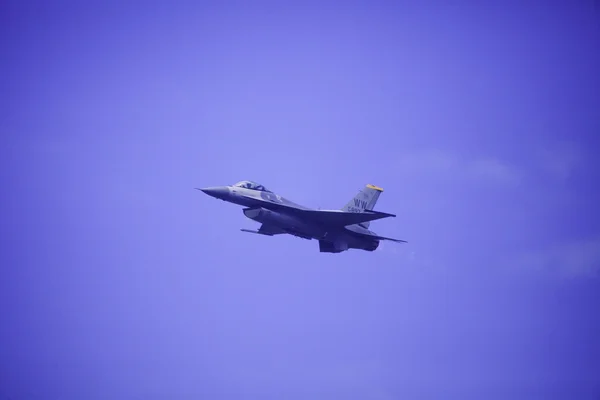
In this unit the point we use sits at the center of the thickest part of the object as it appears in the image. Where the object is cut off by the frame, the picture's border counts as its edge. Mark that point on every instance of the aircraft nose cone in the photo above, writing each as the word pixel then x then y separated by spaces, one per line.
pixel 217 192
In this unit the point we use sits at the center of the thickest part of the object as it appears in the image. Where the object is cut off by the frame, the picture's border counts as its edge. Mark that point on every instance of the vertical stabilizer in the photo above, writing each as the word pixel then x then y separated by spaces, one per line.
pixel 364 200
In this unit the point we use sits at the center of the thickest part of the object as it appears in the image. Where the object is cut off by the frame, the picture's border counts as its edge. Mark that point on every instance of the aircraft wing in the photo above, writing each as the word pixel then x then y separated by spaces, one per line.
pixel 341 218
pixel 330 217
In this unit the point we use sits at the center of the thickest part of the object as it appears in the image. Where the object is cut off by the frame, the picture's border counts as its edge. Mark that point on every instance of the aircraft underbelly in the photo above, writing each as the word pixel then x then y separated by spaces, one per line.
pixel 339 241
pixel 288 223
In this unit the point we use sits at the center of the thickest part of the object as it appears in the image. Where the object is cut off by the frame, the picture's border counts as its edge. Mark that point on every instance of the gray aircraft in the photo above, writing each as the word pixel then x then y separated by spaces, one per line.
pixel 336 230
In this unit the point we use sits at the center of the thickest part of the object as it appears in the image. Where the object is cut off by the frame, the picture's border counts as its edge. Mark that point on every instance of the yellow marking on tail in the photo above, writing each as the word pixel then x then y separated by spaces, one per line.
pixel 375 187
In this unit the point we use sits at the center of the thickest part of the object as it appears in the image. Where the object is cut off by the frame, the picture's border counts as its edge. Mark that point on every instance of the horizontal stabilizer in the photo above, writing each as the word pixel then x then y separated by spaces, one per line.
pixel 371 235
pixel 390 239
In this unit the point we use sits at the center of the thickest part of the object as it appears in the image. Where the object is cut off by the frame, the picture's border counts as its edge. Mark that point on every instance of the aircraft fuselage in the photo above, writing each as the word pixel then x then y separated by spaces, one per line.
pixel 279 215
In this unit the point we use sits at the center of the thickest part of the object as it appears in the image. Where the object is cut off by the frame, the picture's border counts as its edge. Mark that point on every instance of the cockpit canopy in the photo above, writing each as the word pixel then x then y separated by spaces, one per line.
pixel 251 185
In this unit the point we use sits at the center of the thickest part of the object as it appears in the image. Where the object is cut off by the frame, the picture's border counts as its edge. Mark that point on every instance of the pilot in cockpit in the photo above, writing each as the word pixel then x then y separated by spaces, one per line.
pixel 251 185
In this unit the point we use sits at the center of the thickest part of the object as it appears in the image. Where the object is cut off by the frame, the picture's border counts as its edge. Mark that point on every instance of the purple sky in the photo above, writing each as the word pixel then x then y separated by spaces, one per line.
pixel 481 122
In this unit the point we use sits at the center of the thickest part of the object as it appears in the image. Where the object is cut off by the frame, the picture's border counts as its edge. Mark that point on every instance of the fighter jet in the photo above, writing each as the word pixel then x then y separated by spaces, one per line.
pixel 336 230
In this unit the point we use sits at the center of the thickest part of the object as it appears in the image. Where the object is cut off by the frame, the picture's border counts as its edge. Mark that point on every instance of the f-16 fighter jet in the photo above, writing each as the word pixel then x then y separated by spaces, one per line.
pixel 336 230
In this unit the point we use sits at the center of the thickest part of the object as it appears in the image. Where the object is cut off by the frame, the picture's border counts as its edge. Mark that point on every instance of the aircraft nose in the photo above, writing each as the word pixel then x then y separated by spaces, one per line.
pixel 219 192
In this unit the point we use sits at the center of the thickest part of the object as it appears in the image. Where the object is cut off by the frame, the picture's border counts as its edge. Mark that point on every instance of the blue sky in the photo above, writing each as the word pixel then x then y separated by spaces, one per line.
pixel 480 121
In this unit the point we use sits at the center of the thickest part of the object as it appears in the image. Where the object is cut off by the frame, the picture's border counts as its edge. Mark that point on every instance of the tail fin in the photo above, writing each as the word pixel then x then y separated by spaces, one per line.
pixel 364 200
